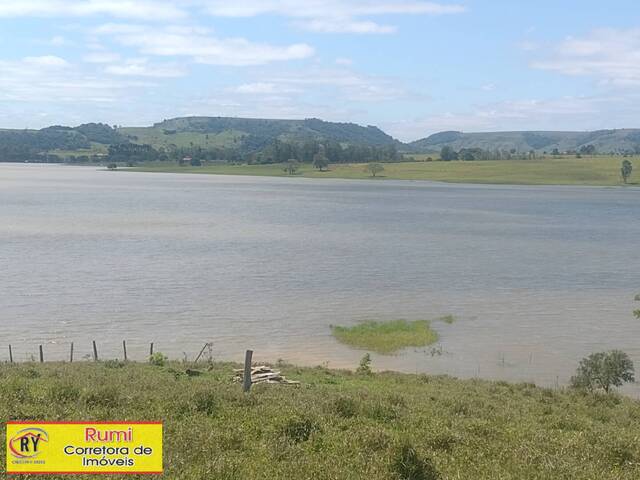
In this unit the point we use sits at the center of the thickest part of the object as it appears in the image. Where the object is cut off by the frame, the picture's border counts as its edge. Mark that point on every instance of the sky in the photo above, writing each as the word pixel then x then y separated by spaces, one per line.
pixel 411 67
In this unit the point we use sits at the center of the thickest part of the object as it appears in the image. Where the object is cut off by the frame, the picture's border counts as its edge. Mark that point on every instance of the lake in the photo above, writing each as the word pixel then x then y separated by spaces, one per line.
pixel 537 277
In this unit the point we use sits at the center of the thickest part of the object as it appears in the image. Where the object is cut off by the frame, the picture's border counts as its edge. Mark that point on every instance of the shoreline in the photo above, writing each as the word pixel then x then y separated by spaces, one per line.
pixel 596 172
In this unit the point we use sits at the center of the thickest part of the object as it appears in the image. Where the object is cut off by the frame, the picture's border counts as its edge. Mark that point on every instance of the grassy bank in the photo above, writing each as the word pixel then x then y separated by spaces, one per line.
pixel 387 337
pixel 600 170
pixel 338 425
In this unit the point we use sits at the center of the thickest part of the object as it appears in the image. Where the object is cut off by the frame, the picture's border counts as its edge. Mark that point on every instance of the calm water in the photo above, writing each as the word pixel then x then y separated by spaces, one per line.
pixel 537 277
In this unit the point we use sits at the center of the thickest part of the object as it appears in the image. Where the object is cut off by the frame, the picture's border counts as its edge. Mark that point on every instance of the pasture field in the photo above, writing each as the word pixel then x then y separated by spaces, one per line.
pixel 338 424
pixel 601 170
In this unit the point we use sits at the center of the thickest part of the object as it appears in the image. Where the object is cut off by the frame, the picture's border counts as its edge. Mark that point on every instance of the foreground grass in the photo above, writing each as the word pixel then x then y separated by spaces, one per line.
pixel 338 425
pixel 387 337
pixel 601 170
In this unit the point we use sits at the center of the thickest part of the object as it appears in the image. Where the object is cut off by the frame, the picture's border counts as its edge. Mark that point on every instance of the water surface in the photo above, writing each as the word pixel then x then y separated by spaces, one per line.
pixel 537 277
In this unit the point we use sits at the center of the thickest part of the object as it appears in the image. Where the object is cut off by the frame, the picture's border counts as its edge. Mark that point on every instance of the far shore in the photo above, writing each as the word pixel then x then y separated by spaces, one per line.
pixel 593 171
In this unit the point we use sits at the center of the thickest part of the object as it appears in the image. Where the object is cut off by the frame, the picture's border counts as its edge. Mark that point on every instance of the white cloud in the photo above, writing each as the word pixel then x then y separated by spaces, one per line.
pixel 50 80
pixel 59 41
pixel 257 88
pixel 198 44
pixel 46 61
pixel 345 83
pixel 101 57
pixel 609 55
pixel 344 61
pixel 142 9
pixel 140 67
pixel 331 16
pixel 344 25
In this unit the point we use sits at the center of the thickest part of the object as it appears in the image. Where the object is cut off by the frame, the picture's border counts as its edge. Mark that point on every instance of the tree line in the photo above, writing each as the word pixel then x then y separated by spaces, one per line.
pixel 278 151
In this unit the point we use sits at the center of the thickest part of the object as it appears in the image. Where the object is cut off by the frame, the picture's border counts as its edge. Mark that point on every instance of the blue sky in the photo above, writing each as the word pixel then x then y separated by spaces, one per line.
pixel 411 67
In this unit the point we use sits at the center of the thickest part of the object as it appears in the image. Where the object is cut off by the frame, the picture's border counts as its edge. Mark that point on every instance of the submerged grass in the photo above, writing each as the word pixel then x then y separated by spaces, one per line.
pixel 338 425
pixel 387 337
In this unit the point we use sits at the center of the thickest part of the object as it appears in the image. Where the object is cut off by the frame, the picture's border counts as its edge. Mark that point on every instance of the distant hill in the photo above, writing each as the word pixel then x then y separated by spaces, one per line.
pixel 248 134
pixel 19 145
pixel 604 141
pixel 261 140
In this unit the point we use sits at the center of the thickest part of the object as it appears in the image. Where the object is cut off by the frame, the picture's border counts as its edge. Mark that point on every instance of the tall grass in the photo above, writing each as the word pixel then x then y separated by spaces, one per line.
pixel 338 425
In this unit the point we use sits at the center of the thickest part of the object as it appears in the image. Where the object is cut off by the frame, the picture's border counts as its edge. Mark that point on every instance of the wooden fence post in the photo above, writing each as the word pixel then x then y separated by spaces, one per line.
pixel 246 377
pixel 71 354
pixel 201 352
pixel 95 352
pixel 151 350
pixel 41 355
pixel 10 354
pixel 124 348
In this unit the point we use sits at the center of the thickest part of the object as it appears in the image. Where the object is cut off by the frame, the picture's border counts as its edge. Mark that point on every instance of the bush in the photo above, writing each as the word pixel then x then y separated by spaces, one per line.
pixel 299 429
pixel 158 359
pixel 407 465
pixel 206 402
pixel 603 370
pixel 345 407
pixel 365 365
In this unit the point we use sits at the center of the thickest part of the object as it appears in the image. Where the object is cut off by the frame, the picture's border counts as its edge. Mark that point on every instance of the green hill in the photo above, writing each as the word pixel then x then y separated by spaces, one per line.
pixel 604 141
pixel 249 134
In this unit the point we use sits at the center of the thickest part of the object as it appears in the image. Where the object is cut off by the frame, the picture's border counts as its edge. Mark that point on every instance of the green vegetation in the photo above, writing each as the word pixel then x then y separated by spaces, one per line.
pixel 339 425
pixel 604 370
pixel 637 312
pixel 626 170
pixel 374 169
pixel 601 170
pixel 447 319
pixel 622 141
pixel 387 337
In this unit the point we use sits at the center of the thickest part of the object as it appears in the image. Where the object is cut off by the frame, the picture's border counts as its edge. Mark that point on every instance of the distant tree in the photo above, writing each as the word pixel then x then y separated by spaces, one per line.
pixel 292 166
pixel 320 161
pixel 555 152
pixel 603 370
pixel 447 154
pixel 626 170
pixel 374 169
pixel 588 150
pixel 637 312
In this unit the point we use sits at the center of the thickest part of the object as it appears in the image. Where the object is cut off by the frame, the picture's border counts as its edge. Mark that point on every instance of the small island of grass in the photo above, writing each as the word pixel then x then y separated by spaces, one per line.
pixel 387 337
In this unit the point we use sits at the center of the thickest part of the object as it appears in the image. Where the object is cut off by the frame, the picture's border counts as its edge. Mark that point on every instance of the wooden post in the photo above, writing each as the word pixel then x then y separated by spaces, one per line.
pixel 246 377
pixel 71 354
pixel 41 355
pixel 95 352
pixel 124 348
pixel 201 352
pixel 10 354
pixel 151 350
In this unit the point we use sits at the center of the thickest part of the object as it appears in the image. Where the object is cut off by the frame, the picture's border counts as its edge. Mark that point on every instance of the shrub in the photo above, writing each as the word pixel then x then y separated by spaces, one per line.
pixel 299 429
pixel 158 359
pixel 365 365
pixel 205 402
pixel 408 465
pixel 603 370
pixel 345 407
